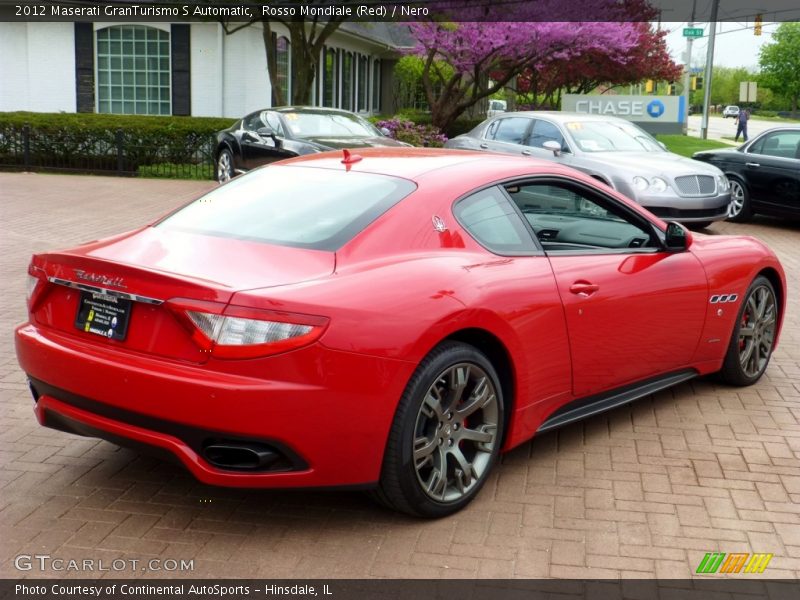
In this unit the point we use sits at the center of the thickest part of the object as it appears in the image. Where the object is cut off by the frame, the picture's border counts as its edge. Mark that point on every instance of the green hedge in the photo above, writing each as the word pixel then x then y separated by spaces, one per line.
pixel 89 141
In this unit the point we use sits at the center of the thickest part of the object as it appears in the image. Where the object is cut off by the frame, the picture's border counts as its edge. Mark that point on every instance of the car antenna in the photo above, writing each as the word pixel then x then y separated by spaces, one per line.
pixel 349 158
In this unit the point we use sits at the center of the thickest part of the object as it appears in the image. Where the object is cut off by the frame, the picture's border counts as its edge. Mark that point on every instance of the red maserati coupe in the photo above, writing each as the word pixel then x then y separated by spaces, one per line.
pixel 389 321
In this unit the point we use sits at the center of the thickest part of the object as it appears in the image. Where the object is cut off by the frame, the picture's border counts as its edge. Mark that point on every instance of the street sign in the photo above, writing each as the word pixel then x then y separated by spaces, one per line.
pixel 748 91
pixel 692 32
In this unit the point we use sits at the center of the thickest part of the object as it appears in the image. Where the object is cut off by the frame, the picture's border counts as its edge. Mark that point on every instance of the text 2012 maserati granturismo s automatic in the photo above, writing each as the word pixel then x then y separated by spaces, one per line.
pixel 390 320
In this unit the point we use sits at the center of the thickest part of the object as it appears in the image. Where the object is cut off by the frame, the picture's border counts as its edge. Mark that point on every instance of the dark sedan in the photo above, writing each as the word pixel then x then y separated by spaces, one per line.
pixel 274 134
pixel 764 174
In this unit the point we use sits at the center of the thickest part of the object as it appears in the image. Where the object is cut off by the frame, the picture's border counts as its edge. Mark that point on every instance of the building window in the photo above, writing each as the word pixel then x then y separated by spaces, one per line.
pixel 376 86
pixel 282 47
pixel 347 81
pixel 363 83
pixel 133 71
pixel 329 80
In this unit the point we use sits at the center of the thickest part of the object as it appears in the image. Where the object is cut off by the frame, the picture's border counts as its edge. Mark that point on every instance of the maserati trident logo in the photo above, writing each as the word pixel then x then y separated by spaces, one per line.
pixel 101 279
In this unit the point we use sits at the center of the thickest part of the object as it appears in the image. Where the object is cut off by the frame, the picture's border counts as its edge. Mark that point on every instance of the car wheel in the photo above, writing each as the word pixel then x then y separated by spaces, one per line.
pixel 739 209
pixel 446 434
pixel 753 336
pixel 225 166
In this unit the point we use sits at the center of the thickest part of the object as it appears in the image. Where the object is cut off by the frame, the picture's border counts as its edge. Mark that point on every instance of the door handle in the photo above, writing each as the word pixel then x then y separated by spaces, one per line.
pixel 484 146
pixel 583 288
pixel 752 164
pixel 526 153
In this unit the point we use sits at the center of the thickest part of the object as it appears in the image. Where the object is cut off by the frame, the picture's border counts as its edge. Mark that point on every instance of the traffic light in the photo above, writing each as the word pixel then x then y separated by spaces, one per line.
pixel 698 83
pixel 671 89
pixel 757 26
pixel 648 86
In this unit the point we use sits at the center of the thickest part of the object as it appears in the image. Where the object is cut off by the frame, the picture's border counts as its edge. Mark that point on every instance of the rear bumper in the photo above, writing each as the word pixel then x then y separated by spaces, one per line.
pixel 326 412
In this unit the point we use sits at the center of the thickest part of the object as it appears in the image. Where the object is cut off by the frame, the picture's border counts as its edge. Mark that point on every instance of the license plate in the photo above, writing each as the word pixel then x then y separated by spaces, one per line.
pixel 104 315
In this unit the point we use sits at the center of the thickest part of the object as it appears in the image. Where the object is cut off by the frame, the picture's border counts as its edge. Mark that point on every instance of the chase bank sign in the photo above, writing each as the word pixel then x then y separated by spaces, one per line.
pixel 657 114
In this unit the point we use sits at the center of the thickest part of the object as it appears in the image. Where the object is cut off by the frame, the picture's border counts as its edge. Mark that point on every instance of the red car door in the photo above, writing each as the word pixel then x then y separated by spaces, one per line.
pixel 633 310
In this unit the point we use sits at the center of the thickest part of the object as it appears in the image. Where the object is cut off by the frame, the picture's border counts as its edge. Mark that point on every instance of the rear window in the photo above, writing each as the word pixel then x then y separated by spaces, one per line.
pixel 319 209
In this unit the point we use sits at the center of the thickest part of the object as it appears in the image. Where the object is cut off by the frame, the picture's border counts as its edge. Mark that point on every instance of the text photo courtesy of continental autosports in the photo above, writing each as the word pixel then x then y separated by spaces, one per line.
pixel 362 299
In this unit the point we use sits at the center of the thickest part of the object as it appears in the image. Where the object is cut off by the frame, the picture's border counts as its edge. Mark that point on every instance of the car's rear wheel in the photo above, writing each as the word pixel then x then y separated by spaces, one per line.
pixel 225 166
pixel 446 434
pixel 739 209
pixel 753 336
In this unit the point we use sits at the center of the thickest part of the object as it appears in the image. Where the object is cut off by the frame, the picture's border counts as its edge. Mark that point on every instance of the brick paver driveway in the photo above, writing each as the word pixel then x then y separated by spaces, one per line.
pixel 643 491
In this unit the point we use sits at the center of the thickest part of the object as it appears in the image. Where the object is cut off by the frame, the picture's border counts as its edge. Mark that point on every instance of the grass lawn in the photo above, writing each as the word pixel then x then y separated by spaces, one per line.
pixel 686 145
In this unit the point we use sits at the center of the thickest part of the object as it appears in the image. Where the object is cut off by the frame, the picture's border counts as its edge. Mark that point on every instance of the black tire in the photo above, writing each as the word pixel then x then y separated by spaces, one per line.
pixel 224 166
pixel 753 336
pixel 740 209
pixel 451 416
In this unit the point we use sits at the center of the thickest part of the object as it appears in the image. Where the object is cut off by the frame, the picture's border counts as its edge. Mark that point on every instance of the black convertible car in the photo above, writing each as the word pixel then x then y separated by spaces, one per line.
pixel 764 174
pixel 277 133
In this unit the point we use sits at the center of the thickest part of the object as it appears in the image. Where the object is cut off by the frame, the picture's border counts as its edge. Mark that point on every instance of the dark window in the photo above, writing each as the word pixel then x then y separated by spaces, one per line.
pixel 511 129
pixel 363 83
pixel 493 222
pixel 347 81
pixel 376 85
pixel 329 79
pixel 545 131
pixel 569 218
pixel 303 207
pixel 282 50
pixel 784 144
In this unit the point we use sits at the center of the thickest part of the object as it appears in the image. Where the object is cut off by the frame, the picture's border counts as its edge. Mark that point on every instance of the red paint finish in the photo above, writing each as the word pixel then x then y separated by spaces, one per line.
pixel 569 325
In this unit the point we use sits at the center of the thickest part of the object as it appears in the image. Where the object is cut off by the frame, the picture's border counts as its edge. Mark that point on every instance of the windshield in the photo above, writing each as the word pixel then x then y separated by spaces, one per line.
pixel 304 207
pixel 307 125
pixel 611 136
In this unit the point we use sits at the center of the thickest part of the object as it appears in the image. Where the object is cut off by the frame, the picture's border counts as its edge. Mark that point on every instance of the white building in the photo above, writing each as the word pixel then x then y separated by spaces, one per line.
pixel 186 68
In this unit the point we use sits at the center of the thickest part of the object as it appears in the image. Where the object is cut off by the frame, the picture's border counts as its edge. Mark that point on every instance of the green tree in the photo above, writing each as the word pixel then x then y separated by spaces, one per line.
pixel 780 62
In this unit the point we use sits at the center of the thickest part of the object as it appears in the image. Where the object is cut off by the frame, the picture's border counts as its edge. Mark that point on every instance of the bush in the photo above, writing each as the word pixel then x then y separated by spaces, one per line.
pixel 409 132
pixel 89 141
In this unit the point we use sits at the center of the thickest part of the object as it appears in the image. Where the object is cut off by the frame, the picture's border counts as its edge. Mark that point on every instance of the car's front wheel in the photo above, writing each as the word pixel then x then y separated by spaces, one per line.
pixel 446 434
pixel 753 337
pixel 225 166
pixel 739 209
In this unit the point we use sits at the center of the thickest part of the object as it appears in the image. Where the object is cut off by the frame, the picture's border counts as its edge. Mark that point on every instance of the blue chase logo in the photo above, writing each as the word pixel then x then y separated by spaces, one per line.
pixel 655 109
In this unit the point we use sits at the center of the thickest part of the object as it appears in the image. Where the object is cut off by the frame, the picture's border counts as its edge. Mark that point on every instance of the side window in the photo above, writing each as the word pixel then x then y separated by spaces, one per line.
pixel 568 218
pixel 253 122
pixel 784 144
pixel 544 131
pixel 274 121
pixel 512 130
pixel 490 218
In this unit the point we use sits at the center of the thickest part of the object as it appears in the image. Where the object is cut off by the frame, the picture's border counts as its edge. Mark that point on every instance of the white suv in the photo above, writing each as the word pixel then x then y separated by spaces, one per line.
pixel 731 111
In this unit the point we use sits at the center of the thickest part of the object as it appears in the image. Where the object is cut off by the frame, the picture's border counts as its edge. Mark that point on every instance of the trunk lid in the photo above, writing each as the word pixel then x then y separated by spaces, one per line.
pixel 146 269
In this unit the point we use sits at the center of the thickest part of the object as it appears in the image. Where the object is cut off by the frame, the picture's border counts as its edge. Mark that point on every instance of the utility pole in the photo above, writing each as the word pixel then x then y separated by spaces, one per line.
pixel 687 77
pixel 709 67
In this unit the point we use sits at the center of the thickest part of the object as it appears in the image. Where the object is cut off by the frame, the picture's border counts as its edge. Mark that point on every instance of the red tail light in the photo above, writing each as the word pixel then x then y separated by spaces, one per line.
pixel 240 332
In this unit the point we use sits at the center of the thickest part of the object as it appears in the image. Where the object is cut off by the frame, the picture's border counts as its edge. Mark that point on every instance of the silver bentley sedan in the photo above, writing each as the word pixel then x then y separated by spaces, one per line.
pixel 615 151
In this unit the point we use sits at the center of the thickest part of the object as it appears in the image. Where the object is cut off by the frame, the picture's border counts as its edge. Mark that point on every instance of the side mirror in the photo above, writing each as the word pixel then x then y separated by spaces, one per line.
pixel 266 132
pixel 677 238
pixel 385 132
pixel 553 146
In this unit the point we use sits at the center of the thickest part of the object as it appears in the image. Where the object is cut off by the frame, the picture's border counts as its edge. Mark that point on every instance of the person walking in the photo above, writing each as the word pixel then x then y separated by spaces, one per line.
pixel 741 127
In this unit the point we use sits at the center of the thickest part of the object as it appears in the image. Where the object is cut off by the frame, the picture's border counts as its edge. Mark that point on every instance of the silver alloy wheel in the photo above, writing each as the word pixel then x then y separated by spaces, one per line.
pixel 224 167
pixel 456 432
pixel 737 199
pixel 757 330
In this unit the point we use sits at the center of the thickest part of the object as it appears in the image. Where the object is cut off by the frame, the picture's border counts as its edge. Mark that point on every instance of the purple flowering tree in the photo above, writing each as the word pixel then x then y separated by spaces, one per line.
pixel 505 39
